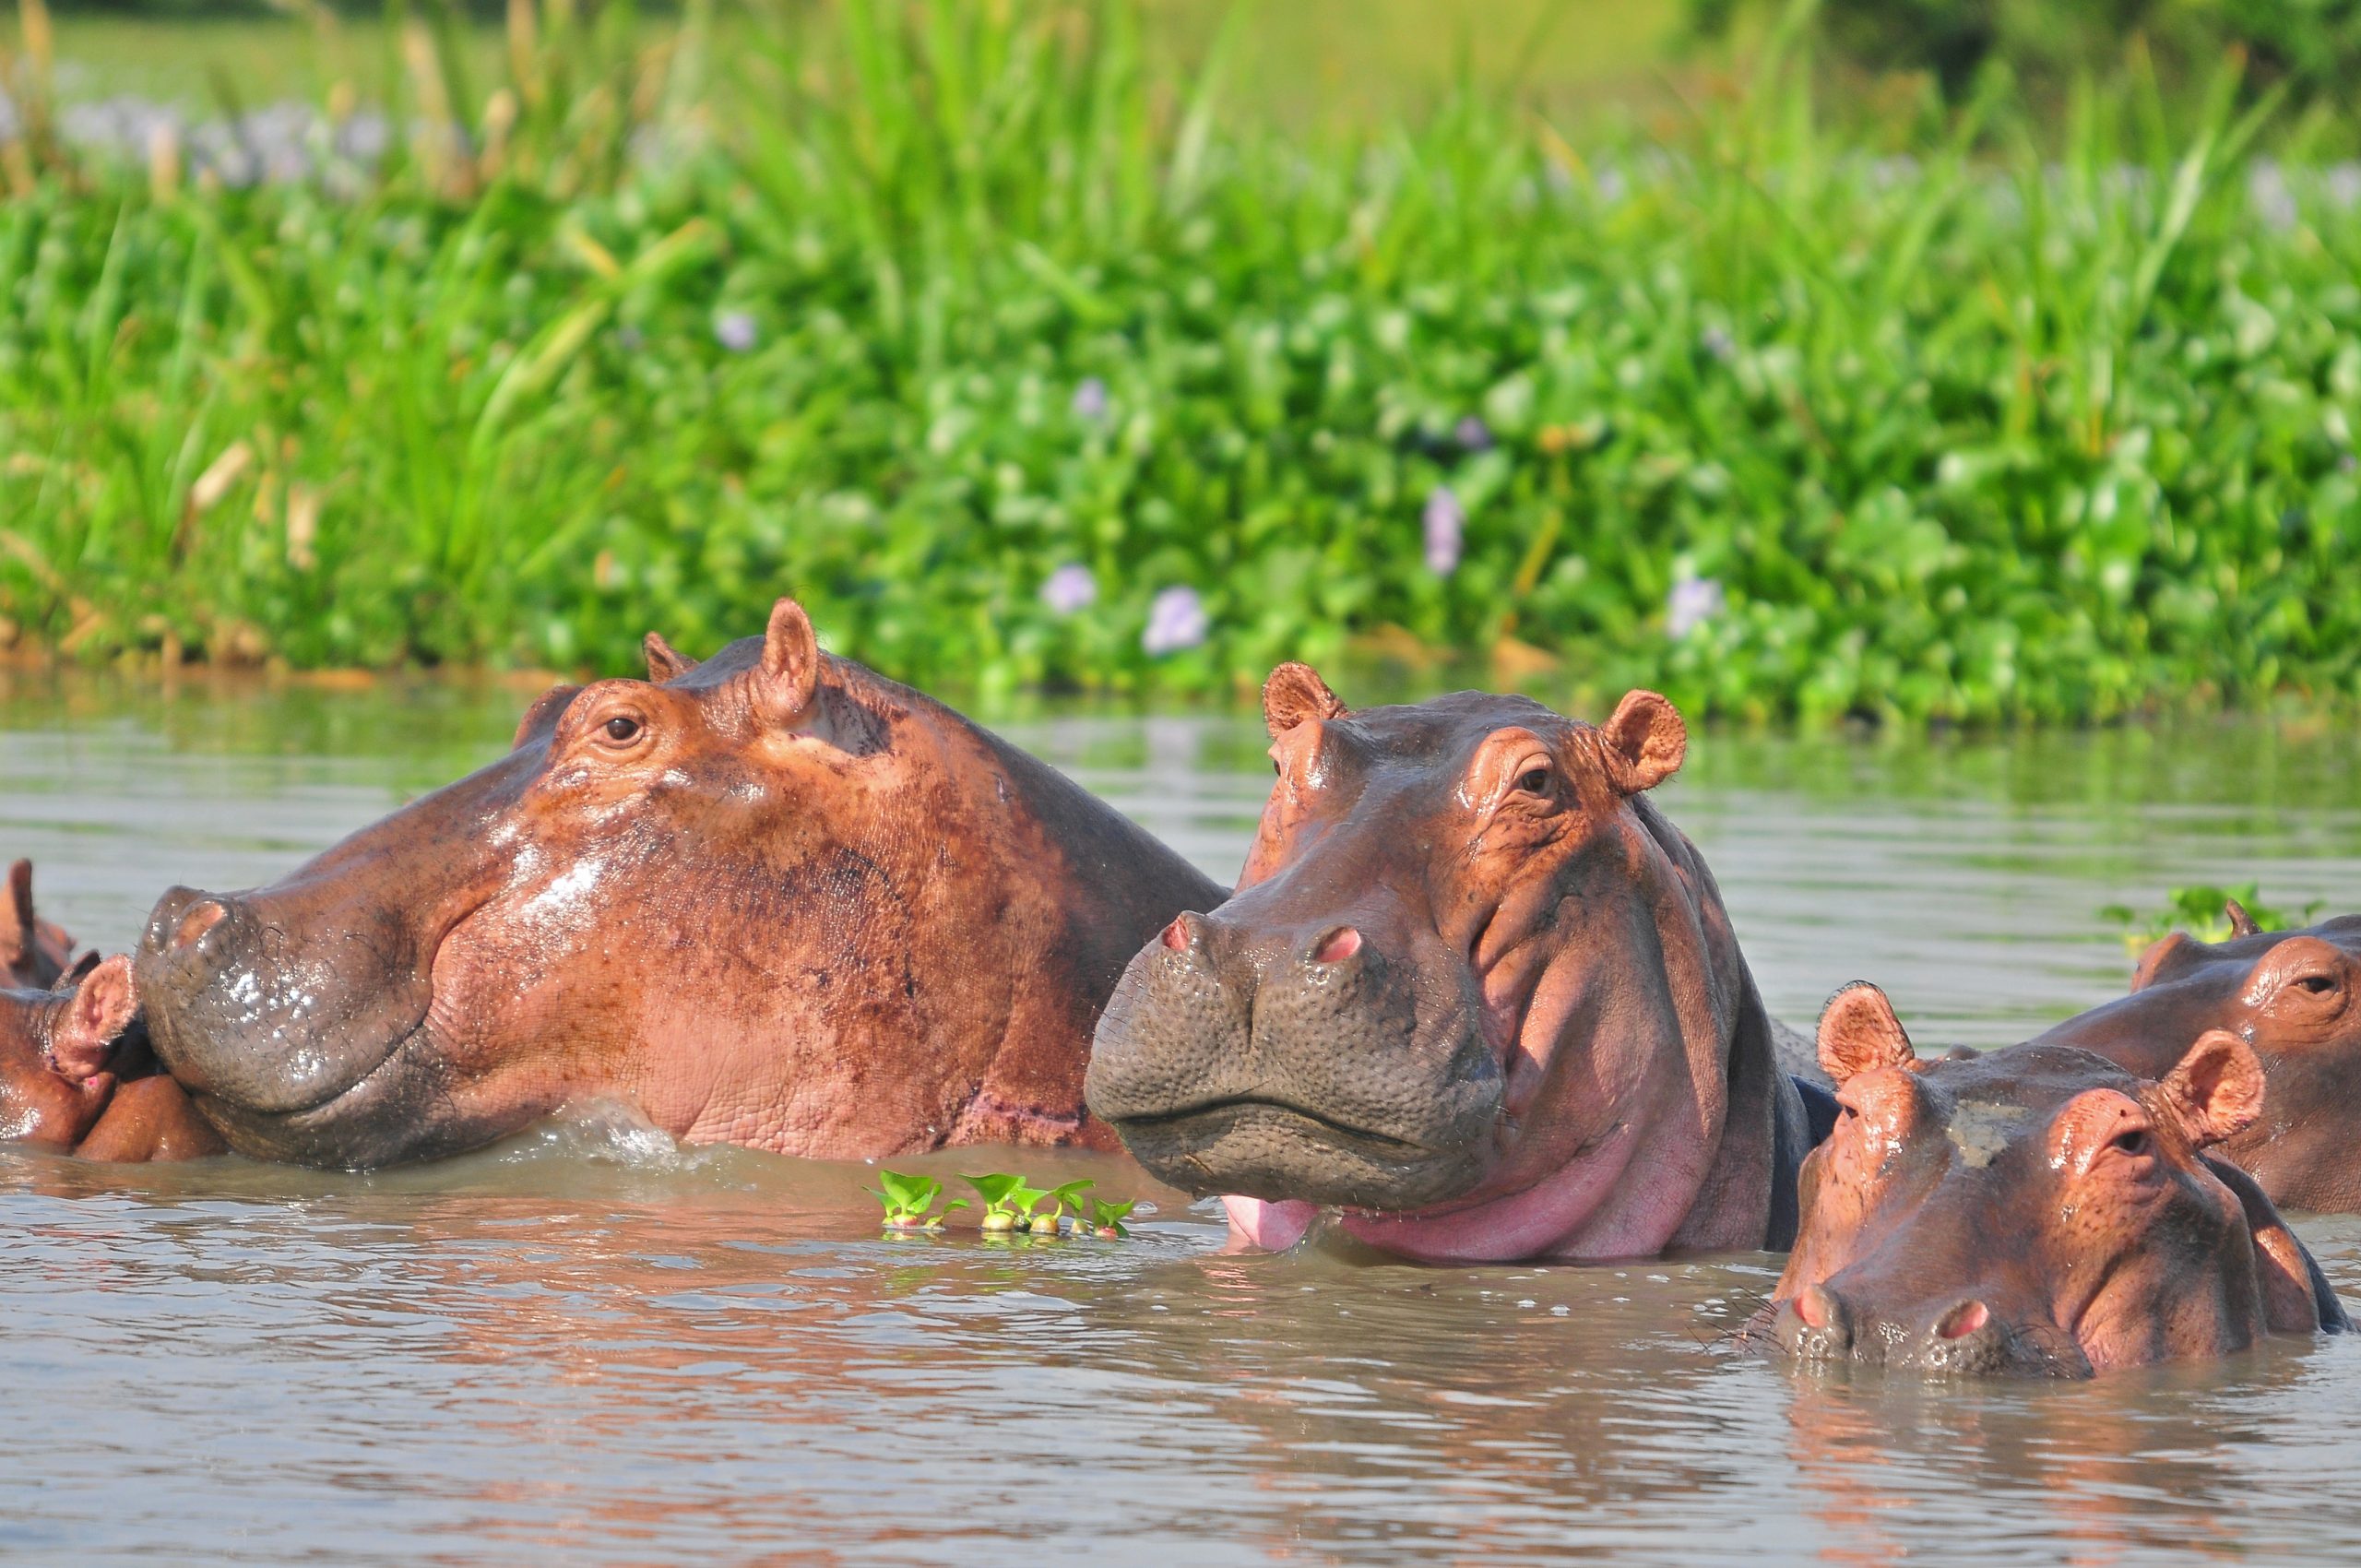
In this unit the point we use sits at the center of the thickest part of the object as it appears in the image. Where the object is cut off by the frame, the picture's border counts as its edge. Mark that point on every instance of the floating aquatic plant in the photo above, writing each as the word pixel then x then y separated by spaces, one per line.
pixel 2203 912
pixel 909 1200
pixel 1107 1218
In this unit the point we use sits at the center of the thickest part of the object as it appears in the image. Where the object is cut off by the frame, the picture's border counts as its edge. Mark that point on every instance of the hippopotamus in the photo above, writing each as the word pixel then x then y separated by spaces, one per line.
pixel 76 1074
pixel 2040 1210
pixel 2294 996
pixel 771 899
pixel 1474 991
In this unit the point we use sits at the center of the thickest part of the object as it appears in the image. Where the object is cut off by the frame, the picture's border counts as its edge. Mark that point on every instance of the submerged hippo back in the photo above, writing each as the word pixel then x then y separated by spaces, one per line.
pixel 771 899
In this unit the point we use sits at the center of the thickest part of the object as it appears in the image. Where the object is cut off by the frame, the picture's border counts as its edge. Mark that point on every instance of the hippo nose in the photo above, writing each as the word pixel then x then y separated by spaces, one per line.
pixel 1185 935
pixel 1968 1338
pixel 1336 947
pixel 182 916
pixel 1816 1325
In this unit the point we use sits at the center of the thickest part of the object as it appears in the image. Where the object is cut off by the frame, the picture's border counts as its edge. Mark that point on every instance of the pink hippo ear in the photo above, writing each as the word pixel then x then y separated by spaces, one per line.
pixel 1294 694
pixel 543 715
pixel 101 1009
pixel 664 660
pixel 789 677
pixel 1646 742
pixel 16 929
pixel 1858 1033
pixel 2166 954
pixel 2216 1089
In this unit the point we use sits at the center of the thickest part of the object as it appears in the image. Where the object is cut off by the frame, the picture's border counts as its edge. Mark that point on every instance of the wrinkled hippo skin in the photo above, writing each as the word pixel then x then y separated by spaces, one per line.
pixel 2294 996
pixel 2036 1210
pixel 770 899
pixel 75 1077
pixel 1473 991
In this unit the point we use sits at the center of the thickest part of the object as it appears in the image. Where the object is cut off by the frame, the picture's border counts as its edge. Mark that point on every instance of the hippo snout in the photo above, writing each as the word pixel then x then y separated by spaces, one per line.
pixel 1293 1063
pixel 1819 1326
pixel 262 1018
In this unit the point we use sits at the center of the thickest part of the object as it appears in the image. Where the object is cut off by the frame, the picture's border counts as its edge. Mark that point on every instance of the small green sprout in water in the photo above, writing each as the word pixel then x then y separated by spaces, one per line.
pixel 1060 1199
pixel 2206 914
pixel 1007 1200
pixel 907 1200
pixel 1107 1218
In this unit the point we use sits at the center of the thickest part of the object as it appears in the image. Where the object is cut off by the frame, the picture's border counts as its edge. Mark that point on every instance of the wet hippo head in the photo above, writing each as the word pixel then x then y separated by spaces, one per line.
pixel 1473 991
pixel 2035 1210
pixel 2294 996
pixel 771 899
pixel 54 1049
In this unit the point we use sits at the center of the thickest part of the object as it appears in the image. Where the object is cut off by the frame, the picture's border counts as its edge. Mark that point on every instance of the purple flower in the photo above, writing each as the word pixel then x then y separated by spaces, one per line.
pixel 1445 522
pixel 1692 602
pixel 1070 587
pixel 2268 191
pixel 1717 342
pixel 1472 434
pixel 734 330
pixel 1177 620
pixel 1090 399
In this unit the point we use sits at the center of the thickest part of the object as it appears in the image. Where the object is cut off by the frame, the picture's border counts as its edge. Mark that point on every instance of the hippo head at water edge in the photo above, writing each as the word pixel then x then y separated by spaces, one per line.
pixel 76 1074
pixel 34 954
pixel 2294 996
pixel 2039 1209
pixel 771 899
pixel 1473 993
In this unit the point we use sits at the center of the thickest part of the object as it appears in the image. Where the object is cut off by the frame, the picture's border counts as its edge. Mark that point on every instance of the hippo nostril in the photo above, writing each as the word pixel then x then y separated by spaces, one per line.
pixel 1337 946
pixel 1817 1306
pixel 200 918
pixel 1962 1319
pixel 1182 934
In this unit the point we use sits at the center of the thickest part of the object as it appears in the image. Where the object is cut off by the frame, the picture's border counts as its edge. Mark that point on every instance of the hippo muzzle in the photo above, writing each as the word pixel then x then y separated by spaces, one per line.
pixel 297 1044
pixel 1819 1327
pixel 1304 1064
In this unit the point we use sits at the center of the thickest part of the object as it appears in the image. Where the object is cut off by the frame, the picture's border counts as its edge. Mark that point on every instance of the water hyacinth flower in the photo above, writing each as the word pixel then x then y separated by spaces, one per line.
pixel 1175 621
pixel 2268 193
pixel 1090 399
pixel 1692 602
pixel 1472 434
pixel 734 330
pixel 1445 524
pixel 1069 588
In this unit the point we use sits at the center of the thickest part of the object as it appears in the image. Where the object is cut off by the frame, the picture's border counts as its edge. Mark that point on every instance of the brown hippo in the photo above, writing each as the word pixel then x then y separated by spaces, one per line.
pixel 70 1079
pixel 2039 1210
pixel 1474 990
pixel 2294 996
pixel 771 899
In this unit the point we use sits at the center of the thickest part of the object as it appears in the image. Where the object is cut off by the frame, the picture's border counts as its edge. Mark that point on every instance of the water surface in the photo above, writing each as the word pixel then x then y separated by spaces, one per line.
pixel 587 1345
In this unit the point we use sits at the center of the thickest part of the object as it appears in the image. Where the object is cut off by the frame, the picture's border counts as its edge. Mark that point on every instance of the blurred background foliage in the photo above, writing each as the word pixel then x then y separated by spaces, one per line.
pixel 1770 358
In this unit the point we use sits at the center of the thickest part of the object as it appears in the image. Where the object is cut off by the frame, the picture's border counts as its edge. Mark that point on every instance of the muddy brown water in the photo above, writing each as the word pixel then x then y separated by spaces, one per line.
pixel 588 1346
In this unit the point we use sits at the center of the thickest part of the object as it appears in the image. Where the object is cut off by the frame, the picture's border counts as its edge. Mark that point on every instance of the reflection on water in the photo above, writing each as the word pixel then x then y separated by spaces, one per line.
pixel 589 1347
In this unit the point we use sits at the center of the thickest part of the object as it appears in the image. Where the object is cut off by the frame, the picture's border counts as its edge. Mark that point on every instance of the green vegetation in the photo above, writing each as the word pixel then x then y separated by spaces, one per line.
pixel 2204 913
pixel 908 1201
pixel 965 302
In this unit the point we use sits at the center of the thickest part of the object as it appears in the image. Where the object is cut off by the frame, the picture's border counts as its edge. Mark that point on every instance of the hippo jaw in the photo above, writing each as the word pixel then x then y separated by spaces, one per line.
pixel 1265 1148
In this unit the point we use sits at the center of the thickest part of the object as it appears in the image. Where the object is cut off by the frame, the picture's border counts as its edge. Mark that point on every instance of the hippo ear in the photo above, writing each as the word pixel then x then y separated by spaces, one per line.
pixel 1296 692
pixel 16 917
pixel 543 715
pixel 789 677
pixel 664 660
pixel 1858 1033
pixel 2241 923
pixel 1646 742
pixel 2216 1089
pixel 101 1009
pixel 2167 951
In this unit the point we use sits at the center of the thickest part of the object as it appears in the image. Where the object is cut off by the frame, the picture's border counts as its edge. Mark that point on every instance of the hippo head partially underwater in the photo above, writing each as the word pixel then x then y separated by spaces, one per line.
pixel 771 899
pixel 2036 1210
pixel 2294 996
pixel 1473 991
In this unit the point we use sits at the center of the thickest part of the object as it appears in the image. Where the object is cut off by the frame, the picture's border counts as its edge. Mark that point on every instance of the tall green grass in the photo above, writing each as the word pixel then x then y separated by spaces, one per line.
pixel 2039 429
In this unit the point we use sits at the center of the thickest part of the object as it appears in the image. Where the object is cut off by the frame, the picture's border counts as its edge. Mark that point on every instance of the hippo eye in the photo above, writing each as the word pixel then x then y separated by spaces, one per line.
pixel 2133 1143
pixel 1534 782
pixel 2319 985
pixel 621 728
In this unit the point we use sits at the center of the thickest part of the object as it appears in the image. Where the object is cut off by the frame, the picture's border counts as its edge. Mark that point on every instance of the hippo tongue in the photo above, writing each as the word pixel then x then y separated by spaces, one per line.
pixel 1275 1227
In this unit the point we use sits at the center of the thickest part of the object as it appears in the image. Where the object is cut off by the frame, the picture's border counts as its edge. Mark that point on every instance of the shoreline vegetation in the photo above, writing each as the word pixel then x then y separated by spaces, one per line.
pixel 1003 342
